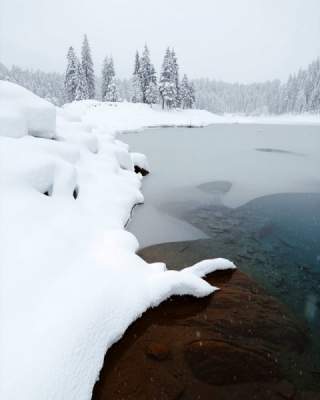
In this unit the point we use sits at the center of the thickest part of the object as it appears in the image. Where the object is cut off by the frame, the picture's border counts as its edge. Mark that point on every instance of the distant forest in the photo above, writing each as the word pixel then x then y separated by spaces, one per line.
pixel 301 92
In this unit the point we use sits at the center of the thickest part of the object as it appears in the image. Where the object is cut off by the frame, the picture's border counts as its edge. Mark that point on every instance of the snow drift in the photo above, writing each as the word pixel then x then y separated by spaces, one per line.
pixel 71 282
pixel 22 112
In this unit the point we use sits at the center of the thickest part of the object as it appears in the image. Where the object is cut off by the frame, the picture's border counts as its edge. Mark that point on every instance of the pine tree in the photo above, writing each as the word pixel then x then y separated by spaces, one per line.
pixel 107 75
pixel 104 78
pixel 81 89
pixel 315 93
pixel 187 93
pixel 137 95
pixel 175 67
pixel 112 91
pixel 70 82
pixel 167 86
pixel 87 67
pixel 109 90
pixel 301 103
pixel 136 70
pixel 192 97
pixel 184 90
pixel 152 93
pixel 147 75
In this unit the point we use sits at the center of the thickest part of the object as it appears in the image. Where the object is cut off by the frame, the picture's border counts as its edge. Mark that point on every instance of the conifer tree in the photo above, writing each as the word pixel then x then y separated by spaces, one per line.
pixel 147 75
pixel 315 94
pixel 167 86
pixel 87 67
pixel 187 93
pixel 109 90
pixel 136 70
pixel 175 68
pixel 81 89
pixel 136 81
pixel 192 97
pixel 71 79
pixel 300 105
pixel 152 93
pixel 112 91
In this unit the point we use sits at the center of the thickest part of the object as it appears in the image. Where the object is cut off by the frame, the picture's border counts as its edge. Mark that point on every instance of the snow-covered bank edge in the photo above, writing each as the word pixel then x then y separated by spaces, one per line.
pixel 71 282
pixel 282 119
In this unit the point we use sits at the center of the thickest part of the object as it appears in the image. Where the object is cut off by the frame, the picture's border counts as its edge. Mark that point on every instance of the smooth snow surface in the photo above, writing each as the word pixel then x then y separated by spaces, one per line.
pixel 71 282
pixel 22 112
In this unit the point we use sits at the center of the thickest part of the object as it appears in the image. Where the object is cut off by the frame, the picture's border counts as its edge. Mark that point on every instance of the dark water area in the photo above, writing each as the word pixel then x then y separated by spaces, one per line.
pixel 262 211
pixel 275 240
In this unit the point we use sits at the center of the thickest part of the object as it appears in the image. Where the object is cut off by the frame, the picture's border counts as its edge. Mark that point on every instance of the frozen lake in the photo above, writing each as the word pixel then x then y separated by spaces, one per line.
pixel 252 191
pixel 220 164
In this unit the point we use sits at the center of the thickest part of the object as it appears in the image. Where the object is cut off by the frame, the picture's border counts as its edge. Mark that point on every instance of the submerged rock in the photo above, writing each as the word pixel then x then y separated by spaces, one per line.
pixel 239 343
pixel 140 170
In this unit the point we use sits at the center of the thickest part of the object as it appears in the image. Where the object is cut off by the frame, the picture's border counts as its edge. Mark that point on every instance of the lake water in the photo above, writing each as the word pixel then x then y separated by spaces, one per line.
pixel 253 189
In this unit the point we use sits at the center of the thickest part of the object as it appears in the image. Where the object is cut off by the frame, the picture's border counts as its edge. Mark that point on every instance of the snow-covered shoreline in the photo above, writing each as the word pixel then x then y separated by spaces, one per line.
pixel 281 119
pixel 71 282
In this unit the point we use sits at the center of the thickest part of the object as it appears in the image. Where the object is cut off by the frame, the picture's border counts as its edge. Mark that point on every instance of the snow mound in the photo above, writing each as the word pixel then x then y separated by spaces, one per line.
pixel 24 112
pixel 71 282
pixel 140 160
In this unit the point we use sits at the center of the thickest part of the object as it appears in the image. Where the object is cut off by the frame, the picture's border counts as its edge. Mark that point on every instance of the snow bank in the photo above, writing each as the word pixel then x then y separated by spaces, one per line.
pixel 23 112
pixel 283 119
pixel 70 281
pixel 115 117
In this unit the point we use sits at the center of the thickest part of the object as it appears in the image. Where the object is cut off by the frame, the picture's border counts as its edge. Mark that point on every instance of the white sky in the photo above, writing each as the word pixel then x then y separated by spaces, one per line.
pixel 233 40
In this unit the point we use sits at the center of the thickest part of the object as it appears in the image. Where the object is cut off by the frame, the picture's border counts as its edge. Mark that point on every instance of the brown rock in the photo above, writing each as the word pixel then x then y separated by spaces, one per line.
pixel 285 389
pixel 220 362
pixel 157 351
pixel 238 344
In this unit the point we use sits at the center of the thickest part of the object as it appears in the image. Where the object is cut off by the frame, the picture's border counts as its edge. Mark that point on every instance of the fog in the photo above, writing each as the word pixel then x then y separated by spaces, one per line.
pixel 233 40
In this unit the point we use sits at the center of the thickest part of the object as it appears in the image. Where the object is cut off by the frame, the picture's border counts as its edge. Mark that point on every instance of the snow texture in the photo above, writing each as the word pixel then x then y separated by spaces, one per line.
pixel 71 283
pixel 23 112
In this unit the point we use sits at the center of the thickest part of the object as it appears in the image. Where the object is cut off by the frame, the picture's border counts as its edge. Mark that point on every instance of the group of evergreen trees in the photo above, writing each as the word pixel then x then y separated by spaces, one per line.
pixel 79 79
pixel 48 85
pixel 144 79
pixel 170 91
pixel 301 93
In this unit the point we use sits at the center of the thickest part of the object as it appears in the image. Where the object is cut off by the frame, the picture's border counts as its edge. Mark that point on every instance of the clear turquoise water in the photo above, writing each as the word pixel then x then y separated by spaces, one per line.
pixel 262 208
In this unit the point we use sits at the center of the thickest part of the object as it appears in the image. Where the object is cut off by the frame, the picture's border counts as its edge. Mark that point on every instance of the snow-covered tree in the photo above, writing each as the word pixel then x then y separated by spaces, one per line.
pixel 167 85
pixel 71 77
pixel 300 105
pixel 137 95
pixel 109 91
pixel 87 67
pixel 112 91
pixel 175 67
pixel 108 74
pixel 152 93
pixel 82 88
pixel 147 75
pixel 186 93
